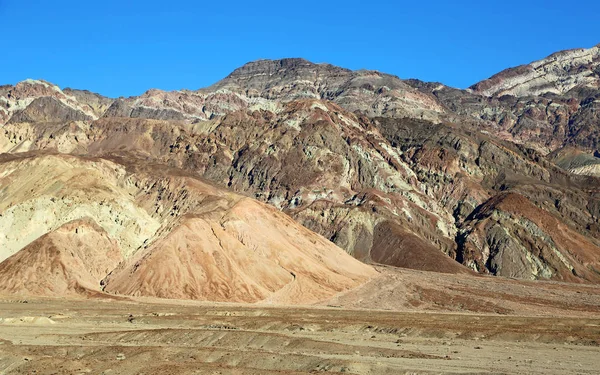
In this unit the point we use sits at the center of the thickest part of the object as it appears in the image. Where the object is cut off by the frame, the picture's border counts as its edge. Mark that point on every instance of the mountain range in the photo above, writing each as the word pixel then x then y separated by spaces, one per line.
pixel 279 182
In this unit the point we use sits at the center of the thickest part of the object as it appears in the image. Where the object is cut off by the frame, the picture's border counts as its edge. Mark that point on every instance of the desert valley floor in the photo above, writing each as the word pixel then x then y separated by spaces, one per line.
pixel 426 323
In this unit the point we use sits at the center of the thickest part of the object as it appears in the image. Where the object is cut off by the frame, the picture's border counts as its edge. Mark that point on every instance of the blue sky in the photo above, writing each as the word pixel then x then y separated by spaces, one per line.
pixel 122 48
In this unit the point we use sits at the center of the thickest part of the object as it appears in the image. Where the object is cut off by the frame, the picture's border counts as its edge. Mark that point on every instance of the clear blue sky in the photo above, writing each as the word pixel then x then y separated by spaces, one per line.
pixel 122 48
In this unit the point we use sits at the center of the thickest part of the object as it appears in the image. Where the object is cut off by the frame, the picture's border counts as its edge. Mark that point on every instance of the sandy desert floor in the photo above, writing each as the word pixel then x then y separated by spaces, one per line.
pixel 53 336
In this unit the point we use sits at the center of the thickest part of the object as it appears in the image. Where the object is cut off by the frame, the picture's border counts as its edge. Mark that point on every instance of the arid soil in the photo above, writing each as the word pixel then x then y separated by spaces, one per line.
pixel 412 290
pixel 523 333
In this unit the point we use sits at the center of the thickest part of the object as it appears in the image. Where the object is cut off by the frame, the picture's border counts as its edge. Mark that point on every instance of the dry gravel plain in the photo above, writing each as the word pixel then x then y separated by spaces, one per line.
pixel 151 336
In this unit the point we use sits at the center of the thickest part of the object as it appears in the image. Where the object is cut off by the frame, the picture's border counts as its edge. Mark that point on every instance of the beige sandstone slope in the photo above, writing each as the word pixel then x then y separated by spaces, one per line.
pixel 180 237
pixel 246 253
pixel 40 193
pixel 69 260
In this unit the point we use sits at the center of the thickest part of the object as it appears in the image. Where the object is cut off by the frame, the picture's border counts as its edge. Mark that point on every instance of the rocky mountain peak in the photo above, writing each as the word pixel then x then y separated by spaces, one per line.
pixel 32 88
pixel 283 67
pixel 558 73
pixel 294 73
pixel 43 101
pixel 367 91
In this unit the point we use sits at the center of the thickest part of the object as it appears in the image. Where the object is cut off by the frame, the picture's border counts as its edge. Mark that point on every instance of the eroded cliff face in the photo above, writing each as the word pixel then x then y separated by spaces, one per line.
pixel 405 173
pixel 470 172
pixel 509 236
pixel 328 168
